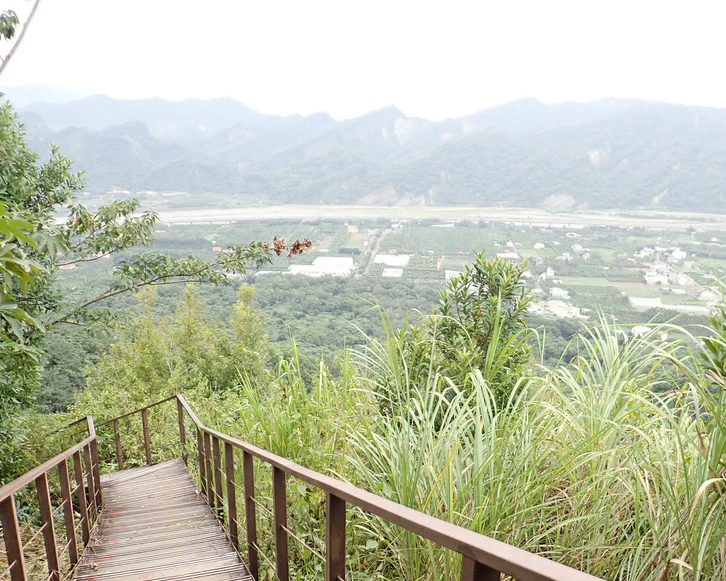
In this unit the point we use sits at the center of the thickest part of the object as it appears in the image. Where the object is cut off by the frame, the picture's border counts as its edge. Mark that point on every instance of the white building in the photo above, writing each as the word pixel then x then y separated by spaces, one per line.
pixel 707 295
pixel 639 330
pixel 562 309
pixel 508 255
pixel 325 266
pixel 559 293
pixel 644 252
pixel 449 274
pixel 683 280
pixel 654 276
pixel 392 273
pixel 548 273
pixel 556 309
pixel 396 260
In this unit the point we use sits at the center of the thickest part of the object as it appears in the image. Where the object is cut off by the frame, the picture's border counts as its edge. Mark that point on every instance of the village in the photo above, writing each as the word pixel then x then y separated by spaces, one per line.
pixel 572 268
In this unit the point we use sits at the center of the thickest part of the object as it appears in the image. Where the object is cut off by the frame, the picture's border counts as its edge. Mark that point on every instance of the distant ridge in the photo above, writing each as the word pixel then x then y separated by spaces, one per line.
pixel 170 120
pixel 27 94
pixel 602 154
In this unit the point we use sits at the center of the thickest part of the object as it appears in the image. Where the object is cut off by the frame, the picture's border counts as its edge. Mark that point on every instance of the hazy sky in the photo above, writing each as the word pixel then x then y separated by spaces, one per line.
pixel 431 59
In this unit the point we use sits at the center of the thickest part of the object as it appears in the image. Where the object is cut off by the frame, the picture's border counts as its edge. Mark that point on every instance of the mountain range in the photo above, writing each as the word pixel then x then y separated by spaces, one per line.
pixel 612 153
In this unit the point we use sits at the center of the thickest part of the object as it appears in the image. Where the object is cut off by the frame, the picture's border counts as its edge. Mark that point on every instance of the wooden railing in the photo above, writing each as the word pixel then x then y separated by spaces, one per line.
pixel 78 498
pixel 216 464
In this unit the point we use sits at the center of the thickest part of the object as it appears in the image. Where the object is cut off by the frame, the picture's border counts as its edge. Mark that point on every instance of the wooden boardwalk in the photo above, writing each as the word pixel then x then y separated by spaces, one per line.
pixel 155 525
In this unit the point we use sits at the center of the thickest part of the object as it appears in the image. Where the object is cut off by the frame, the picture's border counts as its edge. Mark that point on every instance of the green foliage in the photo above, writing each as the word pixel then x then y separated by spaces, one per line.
pixel 151 269
pixel 158 357
pixel 8 23
pixel 110 228
pixel 479 323
pixel 712 396
pixel 18 273
pixel 309 422
pixel 477 333
pixel 186 353
pixel 713 355
pixel 478 326
pixel 324 316
pixel 68 351
pixel 219 369
pixel 28 245
pixel 251 344
pixel 33 247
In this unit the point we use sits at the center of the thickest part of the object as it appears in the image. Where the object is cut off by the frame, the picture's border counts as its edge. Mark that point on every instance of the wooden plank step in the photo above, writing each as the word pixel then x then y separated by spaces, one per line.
pixel 155 525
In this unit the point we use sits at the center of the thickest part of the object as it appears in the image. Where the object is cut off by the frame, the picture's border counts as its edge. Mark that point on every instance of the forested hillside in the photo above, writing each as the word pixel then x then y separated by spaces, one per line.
pixel 603 154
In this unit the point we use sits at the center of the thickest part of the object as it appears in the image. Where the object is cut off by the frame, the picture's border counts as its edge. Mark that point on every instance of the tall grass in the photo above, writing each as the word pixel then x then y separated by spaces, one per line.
pixel 592 464
pixel 614 463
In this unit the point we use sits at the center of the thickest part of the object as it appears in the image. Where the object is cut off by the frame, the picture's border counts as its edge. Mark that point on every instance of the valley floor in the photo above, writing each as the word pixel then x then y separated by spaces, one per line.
pixel 524 216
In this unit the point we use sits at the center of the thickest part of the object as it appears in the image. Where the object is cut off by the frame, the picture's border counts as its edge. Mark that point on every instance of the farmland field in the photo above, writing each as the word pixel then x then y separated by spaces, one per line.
pixel 593 270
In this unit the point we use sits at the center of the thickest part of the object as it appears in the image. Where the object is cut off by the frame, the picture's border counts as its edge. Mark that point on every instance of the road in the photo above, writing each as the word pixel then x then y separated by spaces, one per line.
pixel 372 249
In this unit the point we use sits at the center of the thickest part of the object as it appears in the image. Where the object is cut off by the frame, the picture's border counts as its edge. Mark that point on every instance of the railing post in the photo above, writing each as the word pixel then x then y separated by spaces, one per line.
pixel 202 463
pixel 13 542
pixel 117 438
pixel 231 494
pixel 90 480
pixel 46 516
pixel 472 570
pixel 65 486
pixel 279 502
pixel 95 464
pixel 182 431
pixel 248 467
pixel 334 538
pixel 216 454
pixel 147 435
pixel 208 468
pixel 81 494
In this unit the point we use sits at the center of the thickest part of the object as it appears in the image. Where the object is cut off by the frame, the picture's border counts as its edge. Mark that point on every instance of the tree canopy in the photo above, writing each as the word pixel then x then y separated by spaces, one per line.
pixel 42 229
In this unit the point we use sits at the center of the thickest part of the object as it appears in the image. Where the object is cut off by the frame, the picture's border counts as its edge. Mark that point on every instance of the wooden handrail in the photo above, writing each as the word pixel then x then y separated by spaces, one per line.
pixel 78 421
pixel 500 556
pixel 29 477
pixel 135 411
pixel 483 558
pixel 87 481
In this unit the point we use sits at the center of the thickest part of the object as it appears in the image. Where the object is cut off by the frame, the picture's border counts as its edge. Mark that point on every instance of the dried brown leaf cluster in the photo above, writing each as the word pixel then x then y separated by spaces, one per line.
pixel 297 247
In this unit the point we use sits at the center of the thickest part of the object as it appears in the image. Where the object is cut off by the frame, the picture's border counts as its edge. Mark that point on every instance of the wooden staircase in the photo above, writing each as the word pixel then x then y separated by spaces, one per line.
pixel 180 519
pixel 156 525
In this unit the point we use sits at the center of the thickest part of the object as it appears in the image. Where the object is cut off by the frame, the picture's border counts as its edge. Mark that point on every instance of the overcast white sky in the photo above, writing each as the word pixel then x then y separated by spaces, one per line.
pixel 431 59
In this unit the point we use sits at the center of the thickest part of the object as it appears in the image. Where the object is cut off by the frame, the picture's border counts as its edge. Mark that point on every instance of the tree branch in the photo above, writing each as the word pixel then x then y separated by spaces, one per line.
pixel 65 322
pixel 6 60
pixel 107 294
pixel 86 259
